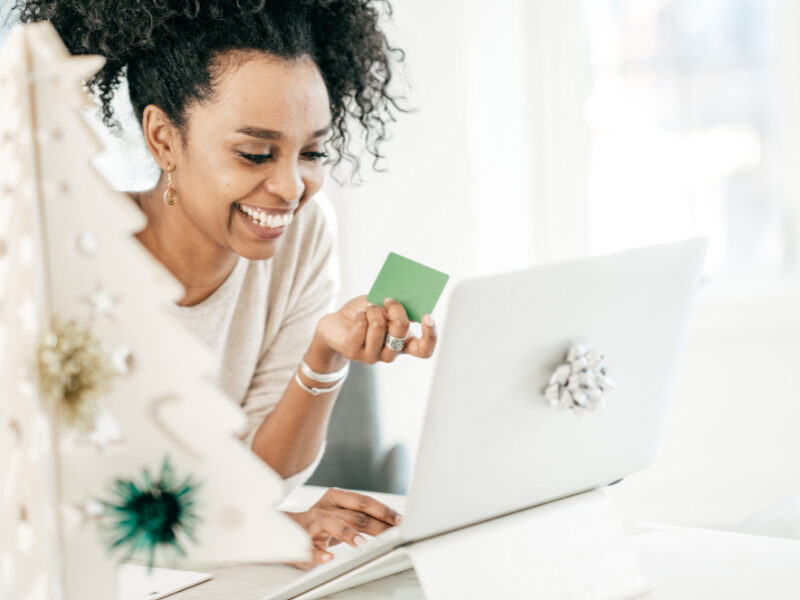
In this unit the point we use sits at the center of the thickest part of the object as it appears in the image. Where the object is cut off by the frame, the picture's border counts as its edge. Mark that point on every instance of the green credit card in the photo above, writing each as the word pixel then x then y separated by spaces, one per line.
pixel 412 284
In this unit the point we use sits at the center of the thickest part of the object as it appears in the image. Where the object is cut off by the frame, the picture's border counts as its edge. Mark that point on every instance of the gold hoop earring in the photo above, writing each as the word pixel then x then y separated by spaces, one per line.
pixel 171 194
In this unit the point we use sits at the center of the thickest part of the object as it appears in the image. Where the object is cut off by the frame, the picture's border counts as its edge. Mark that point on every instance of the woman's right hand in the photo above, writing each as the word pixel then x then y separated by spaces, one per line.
pixel 357 331
pixel 341 516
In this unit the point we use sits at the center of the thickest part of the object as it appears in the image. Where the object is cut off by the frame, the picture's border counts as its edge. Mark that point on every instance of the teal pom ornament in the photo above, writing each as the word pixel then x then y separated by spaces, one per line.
pixel 149 516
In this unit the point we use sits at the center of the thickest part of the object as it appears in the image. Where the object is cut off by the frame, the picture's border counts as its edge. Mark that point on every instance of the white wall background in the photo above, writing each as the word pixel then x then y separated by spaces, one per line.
pixel 730 446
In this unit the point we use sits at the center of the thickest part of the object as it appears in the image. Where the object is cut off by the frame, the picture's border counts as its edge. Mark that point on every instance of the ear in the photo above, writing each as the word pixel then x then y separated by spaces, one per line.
pixel 162 136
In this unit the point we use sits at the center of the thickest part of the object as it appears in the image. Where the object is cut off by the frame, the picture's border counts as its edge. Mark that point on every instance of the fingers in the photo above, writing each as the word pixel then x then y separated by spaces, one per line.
pixel 320 557
pixel 398 319
pixel 319 550
pixel 397 325
pixel 366 335
pixel 305 566
pixel 365 339
pixel 339 516
pixel 356 305
pixel 328 526
pixel 423 346
pixel 376 334
pixel 354 340
pixel 363 504
pixel 363 522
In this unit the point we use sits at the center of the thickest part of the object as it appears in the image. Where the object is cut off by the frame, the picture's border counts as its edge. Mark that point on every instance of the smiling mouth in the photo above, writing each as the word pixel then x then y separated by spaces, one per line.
pixel 264 219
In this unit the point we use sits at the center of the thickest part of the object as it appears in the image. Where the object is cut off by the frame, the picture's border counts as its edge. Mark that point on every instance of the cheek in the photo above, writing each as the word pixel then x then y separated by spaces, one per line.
pixel 232 188
pixel 218 188
pixel 208 184
pixel 313 179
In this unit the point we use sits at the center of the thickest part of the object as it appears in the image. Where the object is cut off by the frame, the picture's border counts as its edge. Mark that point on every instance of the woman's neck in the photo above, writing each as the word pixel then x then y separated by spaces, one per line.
pixel 196 261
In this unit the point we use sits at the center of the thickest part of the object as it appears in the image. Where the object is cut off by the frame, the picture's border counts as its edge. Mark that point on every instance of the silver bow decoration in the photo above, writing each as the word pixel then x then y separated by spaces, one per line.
pixel 580 383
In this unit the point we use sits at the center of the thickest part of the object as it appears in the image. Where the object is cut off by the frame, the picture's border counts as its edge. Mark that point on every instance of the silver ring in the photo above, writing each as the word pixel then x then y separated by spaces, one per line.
pixel 394 343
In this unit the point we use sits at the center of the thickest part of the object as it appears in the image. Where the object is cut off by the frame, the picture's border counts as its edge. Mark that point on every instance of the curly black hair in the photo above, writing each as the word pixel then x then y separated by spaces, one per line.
pixel 170 50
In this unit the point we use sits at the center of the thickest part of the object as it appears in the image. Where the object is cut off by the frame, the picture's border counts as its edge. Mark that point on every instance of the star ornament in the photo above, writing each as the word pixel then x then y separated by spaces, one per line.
pixel 102 303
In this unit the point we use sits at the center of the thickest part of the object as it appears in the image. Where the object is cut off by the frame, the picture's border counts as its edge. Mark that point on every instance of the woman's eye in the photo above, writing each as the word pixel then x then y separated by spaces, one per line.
pixel 255 158
pixel 315 155
pixel 262 158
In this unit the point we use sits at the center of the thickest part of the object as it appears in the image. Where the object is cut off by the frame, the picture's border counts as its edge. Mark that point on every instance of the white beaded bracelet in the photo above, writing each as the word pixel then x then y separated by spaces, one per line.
pixel 324 377
pixel 317 391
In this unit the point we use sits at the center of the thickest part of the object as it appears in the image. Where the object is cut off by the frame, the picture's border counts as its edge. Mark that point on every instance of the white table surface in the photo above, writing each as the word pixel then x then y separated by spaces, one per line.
pixel 680 563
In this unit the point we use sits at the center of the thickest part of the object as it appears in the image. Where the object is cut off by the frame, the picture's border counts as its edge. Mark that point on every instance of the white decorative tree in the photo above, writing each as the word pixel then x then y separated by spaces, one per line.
pixel 80 298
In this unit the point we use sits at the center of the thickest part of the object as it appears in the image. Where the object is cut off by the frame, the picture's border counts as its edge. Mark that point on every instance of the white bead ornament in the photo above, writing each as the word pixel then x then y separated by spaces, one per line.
pixel 580 384
pixel 87 243
pixel 122 360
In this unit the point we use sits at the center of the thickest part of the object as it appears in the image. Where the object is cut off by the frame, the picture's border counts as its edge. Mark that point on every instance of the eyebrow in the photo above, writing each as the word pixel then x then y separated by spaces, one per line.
pixel 271 134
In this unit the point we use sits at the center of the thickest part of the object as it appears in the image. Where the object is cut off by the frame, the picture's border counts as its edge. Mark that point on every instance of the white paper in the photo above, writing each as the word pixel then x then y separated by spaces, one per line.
pixel 135 582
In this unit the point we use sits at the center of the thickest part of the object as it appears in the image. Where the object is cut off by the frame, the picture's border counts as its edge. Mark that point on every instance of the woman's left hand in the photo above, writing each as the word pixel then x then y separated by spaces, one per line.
pixel 339 516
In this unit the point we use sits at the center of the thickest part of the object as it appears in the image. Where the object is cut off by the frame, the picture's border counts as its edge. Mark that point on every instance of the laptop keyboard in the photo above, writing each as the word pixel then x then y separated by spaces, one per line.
pixel 345 559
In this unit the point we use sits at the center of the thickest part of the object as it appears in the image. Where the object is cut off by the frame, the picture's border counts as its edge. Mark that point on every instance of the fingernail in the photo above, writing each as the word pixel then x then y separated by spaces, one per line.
pixel 359 540
pixel 327 557
pixel 387 300
pixel 398 520
pixel 428 320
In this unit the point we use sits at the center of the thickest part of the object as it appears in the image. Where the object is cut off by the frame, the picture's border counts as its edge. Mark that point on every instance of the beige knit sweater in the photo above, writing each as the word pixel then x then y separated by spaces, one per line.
pixel 260 321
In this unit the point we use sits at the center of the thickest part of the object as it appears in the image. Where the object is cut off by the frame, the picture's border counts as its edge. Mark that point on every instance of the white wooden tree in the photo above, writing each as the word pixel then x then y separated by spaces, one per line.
pixel 67 253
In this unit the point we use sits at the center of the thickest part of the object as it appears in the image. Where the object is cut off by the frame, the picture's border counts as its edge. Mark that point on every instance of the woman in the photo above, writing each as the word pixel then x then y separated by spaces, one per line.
pixel 238 101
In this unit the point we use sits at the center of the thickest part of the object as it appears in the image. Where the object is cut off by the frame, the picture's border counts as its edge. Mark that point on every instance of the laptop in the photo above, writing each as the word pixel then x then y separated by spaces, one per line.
pixel 493 441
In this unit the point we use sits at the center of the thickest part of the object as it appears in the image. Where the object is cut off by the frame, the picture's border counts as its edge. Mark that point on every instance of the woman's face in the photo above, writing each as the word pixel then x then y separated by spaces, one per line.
pixel 253 152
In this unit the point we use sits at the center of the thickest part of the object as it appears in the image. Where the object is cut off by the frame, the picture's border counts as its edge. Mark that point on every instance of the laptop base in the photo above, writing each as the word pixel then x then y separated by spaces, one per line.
pixel 573 549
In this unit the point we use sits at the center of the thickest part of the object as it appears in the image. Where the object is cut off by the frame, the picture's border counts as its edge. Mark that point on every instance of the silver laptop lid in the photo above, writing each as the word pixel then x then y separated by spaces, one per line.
pixel 491 443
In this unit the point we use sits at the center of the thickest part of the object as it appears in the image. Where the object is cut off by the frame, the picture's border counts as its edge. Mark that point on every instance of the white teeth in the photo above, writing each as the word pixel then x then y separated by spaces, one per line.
pixel 270 221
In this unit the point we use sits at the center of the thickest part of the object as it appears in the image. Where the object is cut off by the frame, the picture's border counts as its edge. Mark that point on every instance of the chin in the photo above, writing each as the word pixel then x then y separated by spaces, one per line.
pixel 261 251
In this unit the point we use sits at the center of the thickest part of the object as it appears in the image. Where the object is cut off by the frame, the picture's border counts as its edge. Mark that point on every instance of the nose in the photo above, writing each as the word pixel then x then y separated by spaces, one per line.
pixel 286 182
